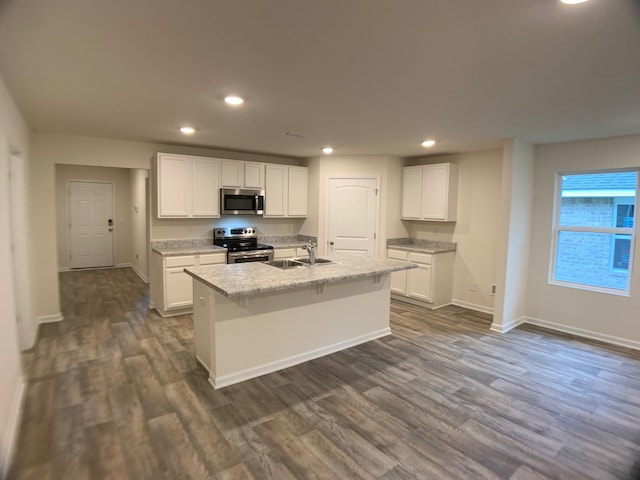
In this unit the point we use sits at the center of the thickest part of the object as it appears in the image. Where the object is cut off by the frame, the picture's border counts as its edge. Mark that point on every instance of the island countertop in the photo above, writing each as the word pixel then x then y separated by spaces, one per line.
pixel 246 279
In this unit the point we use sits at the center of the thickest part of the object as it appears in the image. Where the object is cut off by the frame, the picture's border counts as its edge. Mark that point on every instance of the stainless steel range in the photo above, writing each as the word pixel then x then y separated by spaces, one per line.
pixel 242 245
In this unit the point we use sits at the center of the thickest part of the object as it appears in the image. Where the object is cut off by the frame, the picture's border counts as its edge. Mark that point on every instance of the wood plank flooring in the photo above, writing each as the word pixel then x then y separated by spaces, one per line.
pixel 114 392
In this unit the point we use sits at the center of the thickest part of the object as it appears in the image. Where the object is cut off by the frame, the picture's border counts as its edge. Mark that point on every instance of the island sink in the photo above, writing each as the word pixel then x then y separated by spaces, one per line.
pixel 284 263
pixel 319 261
pixel 287 263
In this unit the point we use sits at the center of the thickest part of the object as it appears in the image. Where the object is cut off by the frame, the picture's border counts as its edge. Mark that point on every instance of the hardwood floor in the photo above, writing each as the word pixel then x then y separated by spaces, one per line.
pixel 114 392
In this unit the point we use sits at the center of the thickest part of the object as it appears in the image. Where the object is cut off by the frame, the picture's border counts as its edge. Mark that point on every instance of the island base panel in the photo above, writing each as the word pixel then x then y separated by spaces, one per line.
pixel 273 331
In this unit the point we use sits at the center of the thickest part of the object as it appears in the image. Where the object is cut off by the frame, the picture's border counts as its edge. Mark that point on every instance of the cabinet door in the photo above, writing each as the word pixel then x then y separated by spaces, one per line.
pixel 178 288
pixel 232 174
pixel 298 191
pixel 174 185
pixel 411 192
pixel 254 175
pixel 399 282
pixel 276 190
pixel 435 188
pixel 206 187
pixel 419 283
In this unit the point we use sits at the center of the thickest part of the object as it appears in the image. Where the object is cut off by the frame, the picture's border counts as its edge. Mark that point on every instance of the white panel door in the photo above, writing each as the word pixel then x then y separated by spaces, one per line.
pixel 91 224
pixel 352 216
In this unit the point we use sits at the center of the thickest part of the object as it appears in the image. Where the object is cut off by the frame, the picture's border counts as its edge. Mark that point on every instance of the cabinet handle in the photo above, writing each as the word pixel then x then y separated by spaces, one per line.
pixel 202 299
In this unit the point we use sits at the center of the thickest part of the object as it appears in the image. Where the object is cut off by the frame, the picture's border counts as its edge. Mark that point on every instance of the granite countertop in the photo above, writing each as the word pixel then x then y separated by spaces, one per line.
pixel 421 246
pixel 286 241
pixel 185 246
pixel 291 244
pixel 245 279
pixel 191 250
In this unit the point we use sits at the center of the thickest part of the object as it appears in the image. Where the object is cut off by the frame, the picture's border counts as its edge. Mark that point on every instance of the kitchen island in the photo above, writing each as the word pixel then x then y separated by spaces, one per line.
pixel 251 319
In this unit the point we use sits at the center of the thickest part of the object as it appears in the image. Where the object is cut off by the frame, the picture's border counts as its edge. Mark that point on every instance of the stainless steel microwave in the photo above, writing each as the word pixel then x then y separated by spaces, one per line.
pixel 237 201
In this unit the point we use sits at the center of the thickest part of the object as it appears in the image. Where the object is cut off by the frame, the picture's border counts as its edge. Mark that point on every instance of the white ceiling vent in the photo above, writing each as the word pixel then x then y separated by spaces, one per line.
pixel 296 134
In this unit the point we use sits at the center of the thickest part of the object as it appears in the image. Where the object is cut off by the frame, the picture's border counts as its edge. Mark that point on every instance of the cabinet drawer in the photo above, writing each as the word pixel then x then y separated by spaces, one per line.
pixel 213 258
pixel 423 258
pixel 397 254
pixel 182 261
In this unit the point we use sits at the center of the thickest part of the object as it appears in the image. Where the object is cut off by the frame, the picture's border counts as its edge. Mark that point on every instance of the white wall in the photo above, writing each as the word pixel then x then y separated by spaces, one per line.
pixel 476 229
pixel 609 317
pixel 14 137
pixel 139 181
pixel 514 240
pixel 122 218
pixel 49 150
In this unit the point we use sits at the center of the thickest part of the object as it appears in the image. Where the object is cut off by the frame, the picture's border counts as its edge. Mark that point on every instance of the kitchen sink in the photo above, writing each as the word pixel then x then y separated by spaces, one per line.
pixel 285 263
pixel 319 261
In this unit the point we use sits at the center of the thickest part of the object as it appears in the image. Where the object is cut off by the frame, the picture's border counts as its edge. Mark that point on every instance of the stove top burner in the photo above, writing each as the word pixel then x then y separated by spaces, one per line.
pixel 243 239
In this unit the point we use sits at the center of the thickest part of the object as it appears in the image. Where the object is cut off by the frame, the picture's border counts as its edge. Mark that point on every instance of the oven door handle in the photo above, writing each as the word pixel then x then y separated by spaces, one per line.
pixel 250 254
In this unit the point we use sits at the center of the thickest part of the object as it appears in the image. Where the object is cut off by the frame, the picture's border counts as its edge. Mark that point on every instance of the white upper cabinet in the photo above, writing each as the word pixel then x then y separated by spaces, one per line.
pixel 298 191
pixel 206 190
pixel 430 192
pixel 254 175
pixel 286 191
pixel 276 190
pixel 187 186
pixel 411 192
pixel 232 174
pixel 174 176
pixel 239 174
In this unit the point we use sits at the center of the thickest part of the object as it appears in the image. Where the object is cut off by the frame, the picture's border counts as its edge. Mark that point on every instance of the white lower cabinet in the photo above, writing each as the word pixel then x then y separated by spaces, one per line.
pixel 431 284
pixel 171 288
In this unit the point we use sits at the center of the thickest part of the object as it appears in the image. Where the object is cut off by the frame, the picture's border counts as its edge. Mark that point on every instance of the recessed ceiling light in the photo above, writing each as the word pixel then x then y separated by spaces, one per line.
pixel 327 150
pixel 428 143
pixel 188 130
pixel 573 2
pixel 234 100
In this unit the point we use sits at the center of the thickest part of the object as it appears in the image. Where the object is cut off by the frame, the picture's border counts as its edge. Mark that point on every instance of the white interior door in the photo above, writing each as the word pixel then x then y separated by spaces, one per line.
pixel 352 217
pixel 91 224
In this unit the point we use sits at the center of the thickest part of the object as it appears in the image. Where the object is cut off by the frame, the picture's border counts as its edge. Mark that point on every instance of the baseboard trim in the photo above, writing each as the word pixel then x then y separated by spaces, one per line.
pixel 579 332
pixel 230 379
pixel 63 269
pixel 416 302
pixel 49 318
pixel 472 306
pixel 122 265
pixel 144 278
pixel 10 437
pixel 505 327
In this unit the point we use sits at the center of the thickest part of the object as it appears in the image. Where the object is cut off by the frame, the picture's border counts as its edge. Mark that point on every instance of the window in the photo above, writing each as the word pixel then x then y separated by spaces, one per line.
pixel 594 230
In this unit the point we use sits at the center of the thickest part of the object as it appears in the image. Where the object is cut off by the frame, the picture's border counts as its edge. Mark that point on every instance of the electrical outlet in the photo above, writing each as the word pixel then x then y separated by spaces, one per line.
pixel 493 289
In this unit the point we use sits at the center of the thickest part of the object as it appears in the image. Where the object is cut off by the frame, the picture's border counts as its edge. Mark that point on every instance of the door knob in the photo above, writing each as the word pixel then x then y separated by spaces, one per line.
pixel 331 243
pixel 111 229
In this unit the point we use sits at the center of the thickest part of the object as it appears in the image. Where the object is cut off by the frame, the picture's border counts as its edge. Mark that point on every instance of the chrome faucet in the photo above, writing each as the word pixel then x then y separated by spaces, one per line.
pixel 311 250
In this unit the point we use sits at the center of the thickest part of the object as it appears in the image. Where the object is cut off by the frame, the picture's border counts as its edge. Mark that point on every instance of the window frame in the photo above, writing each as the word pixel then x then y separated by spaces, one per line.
pixel 617 201
pixel 557 228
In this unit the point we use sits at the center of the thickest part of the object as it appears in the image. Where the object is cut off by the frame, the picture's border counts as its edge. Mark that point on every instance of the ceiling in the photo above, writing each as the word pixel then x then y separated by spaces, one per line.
pixel 366 77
